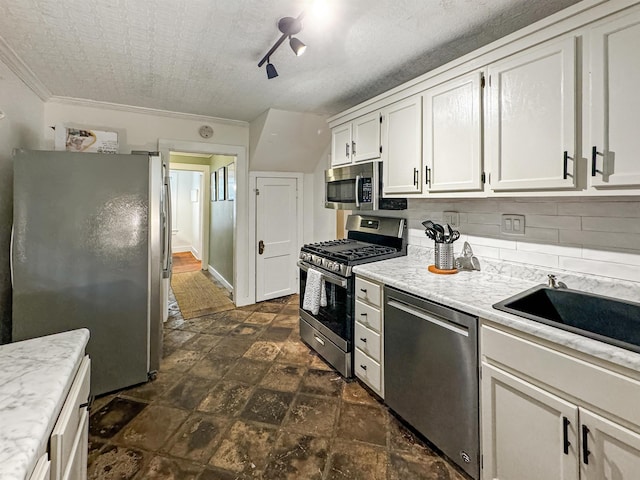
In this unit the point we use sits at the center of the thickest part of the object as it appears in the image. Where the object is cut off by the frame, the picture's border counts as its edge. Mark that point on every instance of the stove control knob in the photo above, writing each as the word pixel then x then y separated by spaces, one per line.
pixel 335 266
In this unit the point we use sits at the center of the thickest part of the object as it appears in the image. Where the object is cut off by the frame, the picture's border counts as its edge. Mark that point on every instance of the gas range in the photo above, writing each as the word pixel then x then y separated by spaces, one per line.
pixel 329 330
pixel 340 256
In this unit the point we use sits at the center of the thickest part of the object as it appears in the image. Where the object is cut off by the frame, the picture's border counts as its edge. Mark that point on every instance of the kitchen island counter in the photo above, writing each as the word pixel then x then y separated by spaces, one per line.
pixel 35 378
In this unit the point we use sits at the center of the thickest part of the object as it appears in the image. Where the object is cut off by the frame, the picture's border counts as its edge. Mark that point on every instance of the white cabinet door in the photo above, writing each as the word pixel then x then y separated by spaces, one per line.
pixel 614 103
pixel 366 138
pixel 402 146
pixel 452 142
pixel 531 132
pixel 613 451
pixel 341 145
pixel 525 429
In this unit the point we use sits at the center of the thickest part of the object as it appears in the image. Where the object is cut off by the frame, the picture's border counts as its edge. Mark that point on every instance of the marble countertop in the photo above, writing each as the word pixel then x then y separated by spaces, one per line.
pixel 475 293
pixel 35 377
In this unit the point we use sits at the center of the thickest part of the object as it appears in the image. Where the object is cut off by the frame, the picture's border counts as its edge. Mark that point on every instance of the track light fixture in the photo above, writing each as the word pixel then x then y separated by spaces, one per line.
pixel 289 27
pixel 271 70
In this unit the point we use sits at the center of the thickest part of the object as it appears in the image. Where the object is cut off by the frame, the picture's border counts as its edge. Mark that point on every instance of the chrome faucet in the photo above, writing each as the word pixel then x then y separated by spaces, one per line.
pixel 553 283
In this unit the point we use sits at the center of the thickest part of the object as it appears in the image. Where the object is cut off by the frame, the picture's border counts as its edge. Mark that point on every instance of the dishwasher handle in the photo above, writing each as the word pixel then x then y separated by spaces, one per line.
pixel 428 317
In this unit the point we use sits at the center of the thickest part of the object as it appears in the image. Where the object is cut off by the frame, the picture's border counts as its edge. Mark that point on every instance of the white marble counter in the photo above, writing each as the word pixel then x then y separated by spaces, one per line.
pixel 35 377
pixel 475 293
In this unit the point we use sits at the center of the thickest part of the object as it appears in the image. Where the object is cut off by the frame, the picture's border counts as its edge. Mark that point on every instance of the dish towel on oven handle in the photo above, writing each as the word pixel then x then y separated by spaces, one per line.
pixel 315 294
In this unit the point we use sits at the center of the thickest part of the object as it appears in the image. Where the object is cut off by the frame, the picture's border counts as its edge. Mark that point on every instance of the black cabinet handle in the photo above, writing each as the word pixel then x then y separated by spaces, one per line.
pixel 364 340
pixel 353 148
pixel 427 176
pixel 585 445
pixel 415 177
pixel 565 435
pixel 364 367
pixel 565 166
pixel 363 290
pixel 594 156
pixel 363 314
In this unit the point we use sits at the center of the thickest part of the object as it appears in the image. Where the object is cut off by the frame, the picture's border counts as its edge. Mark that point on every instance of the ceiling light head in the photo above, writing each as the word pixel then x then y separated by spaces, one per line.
pixel 289 25
pixel 271 70
pixel 297 46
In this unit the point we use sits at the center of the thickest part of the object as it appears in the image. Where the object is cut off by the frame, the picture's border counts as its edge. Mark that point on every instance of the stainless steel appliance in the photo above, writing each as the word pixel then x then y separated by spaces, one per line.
pixel 89 249
pixel 431 373
pixel 330 331
pixel 358 187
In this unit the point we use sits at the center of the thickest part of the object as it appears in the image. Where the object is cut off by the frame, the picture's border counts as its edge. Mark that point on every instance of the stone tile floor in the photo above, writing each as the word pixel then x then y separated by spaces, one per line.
pixel 239 396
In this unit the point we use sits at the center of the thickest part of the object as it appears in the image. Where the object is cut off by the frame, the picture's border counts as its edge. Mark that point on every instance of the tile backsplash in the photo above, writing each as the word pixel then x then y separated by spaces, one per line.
pixel 596 236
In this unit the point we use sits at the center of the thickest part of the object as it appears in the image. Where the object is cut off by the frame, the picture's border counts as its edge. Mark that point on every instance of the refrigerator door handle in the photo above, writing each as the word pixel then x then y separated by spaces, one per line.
pixel 166 267
pixel 11 256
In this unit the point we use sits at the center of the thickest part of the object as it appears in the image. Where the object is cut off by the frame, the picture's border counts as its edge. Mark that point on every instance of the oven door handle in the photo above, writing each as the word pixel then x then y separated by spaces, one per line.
pixel 328 277
pixel 357 185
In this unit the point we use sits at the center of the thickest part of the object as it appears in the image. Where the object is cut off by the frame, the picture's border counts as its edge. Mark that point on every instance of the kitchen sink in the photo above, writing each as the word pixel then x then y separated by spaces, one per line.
pixel 595 316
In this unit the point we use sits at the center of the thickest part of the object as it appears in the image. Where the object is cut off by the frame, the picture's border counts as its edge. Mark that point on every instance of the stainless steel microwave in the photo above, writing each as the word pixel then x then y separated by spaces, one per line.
pixel 358 187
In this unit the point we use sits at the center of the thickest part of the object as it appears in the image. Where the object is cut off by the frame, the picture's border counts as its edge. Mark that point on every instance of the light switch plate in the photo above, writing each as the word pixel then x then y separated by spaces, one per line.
pixel 452 218
pixel 512 224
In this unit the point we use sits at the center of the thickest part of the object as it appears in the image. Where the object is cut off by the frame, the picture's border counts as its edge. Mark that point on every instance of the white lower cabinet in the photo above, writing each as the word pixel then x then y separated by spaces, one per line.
pixel 69 438
pixel 538 414
pixel 368 340
pixel 42 470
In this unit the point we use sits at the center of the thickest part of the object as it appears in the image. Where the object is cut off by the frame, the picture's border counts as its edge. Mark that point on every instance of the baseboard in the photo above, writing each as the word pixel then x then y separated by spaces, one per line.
pixel 180 249
pixel 195 253
pixel 220 278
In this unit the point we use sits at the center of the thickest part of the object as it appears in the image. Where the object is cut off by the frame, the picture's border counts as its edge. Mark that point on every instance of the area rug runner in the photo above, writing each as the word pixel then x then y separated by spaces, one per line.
pixel 197 295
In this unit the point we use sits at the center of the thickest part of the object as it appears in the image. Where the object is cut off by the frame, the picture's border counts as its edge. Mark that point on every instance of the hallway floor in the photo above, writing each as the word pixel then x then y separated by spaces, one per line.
pixel 239 396
pixel 185 262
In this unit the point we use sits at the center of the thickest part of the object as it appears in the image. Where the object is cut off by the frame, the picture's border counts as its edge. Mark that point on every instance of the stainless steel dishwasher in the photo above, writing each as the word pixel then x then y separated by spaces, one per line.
pixel 431 373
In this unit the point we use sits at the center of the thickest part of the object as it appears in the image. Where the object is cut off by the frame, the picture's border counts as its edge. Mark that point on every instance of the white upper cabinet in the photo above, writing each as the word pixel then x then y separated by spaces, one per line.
pixel 402 146
pixel 452 137
pixel 531 132
pixel 614 103
pixel 341 145
pixel 356 141
pixel 366 138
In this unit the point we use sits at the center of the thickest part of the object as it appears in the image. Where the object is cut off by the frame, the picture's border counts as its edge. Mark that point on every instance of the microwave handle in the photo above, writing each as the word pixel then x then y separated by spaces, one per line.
pixel 357 188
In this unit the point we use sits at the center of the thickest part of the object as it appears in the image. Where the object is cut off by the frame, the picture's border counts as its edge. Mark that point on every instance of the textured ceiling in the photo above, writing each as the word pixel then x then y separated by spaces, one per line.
pixel 200 56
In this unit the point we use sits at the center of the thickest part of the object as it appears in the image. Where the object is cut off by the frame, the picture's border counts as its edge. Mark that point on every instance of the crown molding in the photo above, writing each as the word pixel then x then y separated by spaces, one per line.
pixel 11 59
pixel 82 102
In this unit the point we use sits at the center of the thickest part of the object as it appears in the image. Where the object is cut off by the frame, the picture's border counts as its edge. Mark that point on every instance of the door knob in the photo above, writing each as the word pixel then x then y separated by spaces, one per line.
pixel 260 247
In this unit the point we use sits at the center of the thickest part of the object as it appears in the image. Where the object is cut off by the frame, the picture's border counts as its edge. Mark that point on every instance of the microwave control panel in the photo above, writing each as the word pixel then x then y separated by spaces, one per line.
pixel 366 192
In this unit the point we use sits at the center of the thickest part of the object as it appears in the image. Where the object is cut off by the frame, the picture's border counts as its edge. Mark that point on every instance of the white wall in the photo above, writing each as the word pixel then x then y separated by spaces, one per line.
pixel 319 222
pixel 186 229
pixel 20 128
pixel 140 129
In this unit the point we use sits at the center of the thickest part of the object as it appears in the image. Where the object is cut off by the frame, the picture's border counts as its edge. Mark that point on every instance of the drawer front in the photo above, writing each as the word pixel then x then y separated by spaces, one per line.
pixel 368 316
pixel 368 291
pixel 77 465
pixel 42 469
pixel 368 341
pixel 587 383
pixel 369 371
pixel 65 429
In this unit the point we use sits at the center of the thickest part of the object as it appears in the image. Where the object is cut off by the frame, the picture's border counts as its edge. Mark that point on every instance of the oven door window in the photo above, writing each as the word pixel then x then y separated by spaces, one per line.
pixel 337 315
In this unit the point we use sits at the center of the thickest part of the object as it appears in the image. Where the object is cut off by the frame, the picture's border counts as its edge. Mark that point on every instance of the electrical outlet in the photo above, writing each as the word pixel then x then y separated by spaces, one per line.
pixel 452 218
pixel 512 224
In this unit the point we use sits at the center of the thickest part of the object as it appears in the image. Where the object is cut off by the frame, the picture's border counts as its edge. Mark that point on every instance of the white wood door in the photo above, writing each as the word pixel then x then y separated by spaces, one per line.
pixel 523 429
pixel 341 145
pixel 402 146
pixel 614 103
pixel 452 139
pixel 614 449
pixel 532 118
pixel 366 138
pixel 276 237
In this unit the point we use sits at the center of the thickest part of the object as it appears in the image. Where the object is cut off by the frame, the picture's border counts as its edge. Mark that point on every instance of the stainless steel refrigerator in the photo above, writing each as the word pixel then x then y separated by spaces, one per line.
pixel 91 248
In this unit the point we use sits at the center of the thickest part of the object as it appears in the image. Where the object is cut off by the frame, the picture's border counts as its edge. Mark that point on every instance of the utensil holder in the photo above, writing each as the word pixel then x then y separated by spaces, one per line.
pixel 443 256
